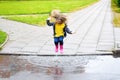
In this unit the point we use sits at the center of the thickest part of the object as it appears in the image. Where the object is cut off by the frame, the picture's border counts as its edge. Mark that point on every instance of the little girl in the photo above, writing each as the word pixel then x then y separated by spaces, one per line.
pixel 59 29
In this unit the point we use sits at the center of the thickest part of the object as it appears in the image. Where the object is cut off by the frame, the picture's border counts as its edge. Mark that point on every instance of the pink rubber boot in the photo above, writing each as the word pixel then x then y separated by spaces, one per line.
pixel 61 48
pixel 56 48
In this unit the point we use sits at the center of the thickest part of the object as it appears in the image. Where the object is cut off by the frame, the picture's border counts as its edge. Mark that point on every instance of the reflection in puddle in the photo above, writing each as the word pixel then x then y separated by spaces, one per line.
pixel 11 65
pixel 51 67
pixel 4 66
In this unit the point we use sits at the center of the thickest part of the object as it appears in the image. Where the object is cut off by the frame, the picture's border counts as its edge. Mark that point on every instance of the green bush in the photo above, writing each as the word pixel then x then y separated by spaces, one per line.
pixel 115 5
pixel 118 3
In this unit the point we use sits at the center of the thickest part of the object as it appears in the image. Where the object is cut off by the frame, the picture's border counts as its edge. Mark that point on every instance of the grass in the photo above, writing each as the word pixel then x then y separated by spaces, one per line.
pixel 116 13
pixel 40 7
pixel 3 37
pixel 36 12
pixel 38 20
pixel 116 20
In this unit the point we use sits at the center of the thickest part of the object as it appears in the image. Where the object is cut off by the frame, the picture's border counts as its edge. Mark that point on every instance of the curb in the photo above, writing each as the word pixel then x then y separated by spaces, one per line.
pixel 1 46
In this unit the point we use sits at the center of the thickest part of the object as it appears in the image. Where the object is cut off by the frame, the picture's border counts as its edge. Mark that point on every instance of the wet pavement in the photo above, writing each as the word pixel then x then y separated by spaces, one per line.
pixel 94 67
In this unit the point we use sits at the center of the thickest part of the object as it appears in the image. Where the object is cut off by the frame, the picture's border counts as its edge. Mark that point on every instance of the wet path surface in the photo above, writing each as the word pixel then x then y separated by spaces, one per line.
pixel 59 67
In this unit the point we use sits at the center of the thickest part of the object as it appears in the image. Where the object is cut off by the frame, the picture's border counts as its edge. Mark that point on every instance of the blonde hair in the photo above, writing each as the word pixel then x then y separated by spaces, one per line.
pixel 55 13
pixel 63 18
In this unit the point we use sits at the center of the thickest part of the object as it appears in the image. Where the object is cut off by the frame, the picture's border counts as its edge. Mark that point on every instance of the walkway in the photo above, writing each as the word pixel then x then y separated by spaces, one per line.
pixel 95 34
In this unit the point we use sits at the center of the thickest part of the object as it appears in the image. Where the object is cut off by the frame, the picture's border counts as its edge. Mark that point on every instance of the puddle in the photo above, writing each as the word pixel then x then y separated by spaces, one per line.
pixel 59 67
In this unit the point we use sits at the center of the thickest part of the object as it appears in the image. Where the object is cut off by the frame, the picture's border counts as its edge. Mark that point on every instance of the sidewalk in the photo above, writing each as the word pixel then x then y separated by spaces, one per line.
pixel 95 34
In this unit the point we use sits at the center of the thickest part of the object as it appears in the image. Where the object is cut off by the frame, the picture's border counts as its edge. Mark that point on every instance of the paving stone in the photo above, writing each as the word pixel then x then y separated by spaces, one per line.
pixel 23 40
pixel 118 46
pixel 47 52
pixel 70 46
pixel 35 44
pixel 10 50
pixel 89 45
pixel 107 41
pixel 17 45
pixel 105 48
pixel 48 47
pixel 31 49
pixel 105 44
pixel 86 50
pixel 73 40
pixel 89 42
pixel 107 38
pixel 104 52
pixel 69 52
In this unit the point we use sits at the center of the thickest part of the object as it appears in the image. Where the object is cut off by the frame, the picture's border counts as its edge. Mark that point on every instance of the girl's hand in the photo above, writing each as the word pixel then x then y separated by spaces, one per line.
pixel 74 32
pixel 49 18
